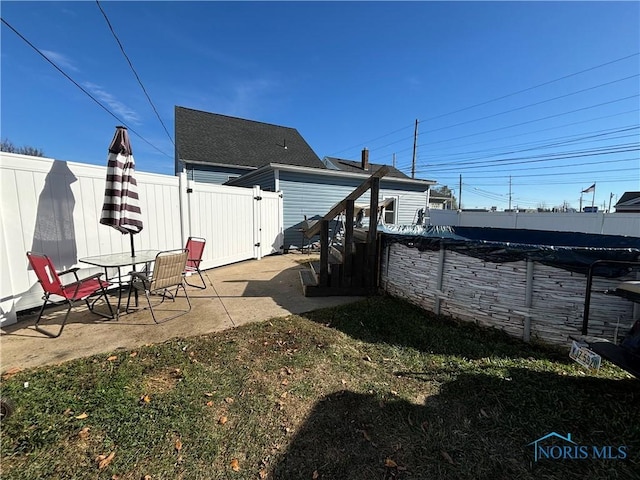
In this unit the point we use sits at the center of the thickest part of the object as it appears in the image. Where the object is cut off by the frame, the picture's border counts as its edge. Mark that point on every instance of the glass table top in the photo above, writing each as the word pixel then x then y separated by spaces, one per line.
pixel 120 259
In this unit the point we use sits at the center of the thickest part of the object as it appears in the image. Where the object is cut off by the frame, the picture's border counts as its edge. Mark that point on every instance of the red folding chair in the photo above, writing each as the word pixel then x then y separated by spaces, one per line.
pixel 195 245
pixel 71 293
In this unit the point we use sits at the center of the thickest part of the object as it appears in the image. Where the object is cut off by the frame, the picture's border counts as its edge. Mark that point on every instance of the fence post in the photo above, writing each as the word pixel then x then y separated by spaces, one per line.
pixel 185 207
pixel 440 278
pixel 528 302
pixel 257 222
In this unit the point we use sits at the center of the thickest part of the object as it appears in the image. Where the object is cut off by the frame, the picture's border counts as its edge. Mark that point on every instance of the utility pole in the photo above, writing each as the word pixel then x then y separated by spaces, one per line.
pixel 509 192
pixel 460 194
pixel 610 197
pixel 394 160
pixel 415 144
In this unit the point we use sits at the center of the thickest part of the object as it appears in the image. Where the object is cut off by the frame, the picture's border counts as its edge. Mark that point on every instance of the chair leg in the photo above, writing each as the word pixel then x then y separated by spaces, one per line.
pixel 201 287
pixel 64 321
pixel 92 305
pixel 181 312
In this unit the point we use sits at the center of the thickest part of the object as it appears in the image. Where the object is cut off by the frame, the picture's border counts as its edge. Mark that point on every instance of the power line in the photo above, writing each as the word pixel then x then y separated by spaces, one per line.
pixel 538 146
pixel 493 100
pixel 534 120
pixel 134 71
pixel 556 127
pixel 532 104
pixel 120 121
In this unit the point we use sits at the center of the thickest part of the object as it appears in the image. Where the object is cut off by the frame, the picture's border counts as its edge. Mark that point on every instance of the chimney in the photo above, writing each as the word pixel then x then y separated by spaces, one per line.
pixel 365 159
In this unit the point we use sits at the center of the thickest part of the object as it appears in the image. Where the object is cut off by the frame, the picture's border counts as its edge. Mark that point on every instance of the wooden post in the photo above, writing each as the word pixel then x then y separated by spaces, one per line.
pixel 370 261
pixel 373 210
pixel 324 253
pixel 347 258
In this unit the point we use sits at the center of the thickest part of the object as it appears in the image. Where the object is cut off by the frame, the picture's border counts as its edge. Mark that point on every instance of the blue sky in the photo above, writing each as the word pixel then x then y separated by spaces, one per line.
pixel 539 96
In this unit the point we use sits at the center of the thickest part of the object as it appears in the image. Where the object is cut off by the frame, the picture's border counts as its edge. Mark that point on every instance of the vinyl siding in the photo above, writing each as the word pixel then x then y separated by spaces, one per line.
pixel 314 195
pixel 265 179
pixel 213 174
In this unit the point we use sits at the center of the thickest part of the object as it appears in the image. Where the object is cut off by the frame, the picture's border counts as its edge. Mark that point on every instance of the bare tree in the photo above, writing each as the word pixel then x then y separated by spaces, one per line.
pixel 7 145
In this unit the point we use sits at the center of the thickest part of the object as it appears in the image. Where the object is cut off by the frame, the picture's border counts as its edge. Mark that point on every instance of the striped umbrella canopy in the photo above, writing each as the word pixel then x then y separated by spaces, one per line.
pixel 121 208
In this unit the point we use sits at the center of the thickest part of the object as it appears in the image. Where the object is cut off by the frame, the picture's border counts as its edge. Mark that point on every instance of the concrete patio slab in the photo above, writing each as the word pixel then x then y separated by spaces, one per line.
pixel 237 294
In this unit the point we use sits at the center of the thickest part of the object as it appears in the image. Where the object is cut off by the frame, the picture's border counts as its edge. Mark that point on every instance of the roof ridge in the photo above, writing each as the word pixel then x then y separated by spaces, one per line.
pixel 235 118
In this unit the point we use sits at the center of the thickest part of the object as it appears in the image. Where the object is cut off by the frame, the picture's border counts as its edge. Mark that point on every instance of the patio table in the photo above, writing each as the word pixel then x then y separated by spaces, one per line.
pixel 118 261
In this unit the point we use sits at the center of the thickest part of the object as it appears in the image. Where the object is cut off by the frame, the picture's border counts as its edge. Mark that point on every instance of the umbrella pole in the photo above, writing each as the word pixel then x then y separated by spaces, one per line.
pixel 133 249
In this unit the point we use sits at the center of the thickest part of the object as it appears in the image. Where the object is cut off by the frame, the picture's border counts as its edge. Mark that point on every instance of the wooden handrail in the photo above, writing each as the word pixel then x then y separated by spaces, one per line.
pixel 341 205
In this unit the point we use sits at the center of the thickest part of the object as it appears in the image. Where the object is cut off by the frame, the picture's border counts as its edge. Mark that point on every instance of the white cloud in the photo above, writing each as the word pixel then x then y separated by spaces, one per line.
pixel 118 108
pixel 60 59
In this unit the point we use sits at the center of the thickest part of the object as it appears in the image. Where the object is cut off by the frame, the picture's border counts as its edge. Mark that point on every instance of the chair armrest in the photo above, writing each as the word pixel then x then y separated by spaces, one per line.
pixel 139 276
pixel 69 270
pixel 95 275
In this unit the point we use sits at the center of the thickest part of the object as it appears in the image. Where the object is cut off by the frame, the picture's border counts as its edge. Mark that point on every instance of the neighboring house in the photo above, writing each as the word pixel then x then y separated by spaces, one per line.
pixel 439 202
pixel 219 149
pixel 628 203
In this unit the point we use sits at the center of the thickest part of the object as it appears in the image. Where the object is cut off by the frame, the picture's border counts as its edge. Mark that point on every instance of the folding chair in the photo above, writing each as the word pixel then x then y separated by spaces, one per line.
pixel 195 245
pixel 167 273
pixel 83 289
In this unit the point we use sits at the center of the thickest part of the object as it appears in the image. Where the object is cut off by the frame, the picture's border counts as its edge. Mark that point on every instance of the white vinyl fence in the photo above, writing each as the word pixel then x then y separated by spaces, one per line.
pixel 598 223
pixel 53 207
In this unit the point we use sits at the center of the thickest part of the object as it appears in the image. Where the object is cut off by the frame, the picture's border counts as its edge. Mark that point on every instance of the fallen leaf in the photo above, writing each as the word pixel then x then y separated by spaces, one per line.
pixel 208 394
pixel 68 411
pixel 103 461
pixel 367 358
pixel 393 392
pixel 283 395
pixel 315 475
pixel 84 433
pixel 147 477
pixel 447 457
pixel 344 382
pixel 82 416
pixel 229 400
pixel 11 372
pixel 145 399
pixel 262 474
pixel 133 354
pixel 112 358
pixel 209 403
pixel 178 444
pixel 235 465
pixel 115 477
pixel 222 420
pixel 285 382
pixel 390 463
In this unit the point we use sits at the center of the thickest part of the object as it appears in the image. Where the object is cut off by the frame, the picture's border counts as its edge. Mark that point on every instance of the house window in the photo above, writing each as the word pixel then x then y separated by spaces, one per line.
pixel 390 211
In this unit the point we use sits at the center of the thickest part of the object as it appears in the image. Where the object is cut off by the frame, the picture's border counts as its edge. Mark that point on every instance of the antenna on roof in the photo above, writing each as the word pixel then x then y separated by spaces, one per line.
pixel 284 143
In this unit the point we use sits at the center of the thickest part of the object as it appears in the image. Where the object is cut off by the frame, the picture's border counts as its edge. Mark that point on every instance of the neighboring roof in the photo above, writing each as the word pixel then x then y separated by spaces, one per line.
pixel 356 167
pixel 629 201
pixel 332 173
pixel 203 137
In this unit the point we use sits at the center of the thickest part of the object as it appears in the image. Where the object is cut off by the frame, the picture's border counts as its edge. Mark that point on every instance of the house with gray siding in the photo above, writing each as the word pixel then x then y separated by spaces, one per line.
pixel 214 148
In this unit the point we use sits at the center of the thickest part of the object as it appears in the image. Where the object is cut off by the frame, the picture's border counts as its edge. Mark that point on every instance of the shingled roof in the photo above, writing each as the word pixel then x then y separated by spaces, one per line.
pixel 205 137
pixel 356 167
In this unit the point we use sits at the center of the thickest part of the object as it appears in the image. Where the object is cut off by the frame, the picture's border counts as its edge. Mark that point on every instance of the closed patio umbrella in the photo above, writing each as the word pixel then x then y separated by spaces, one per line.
pixel 121 208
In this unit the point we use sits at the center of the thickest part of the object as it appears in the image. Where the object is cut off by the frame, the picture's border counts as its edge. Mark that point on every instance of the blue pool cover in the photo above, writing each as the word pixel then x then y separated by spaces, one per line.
pixel 568 250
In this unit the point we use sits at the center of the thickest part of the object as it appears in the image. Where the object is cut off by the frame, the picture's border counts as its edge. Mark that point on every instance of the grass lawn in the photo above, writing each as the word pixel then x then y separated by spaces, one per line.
pixel 373 390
